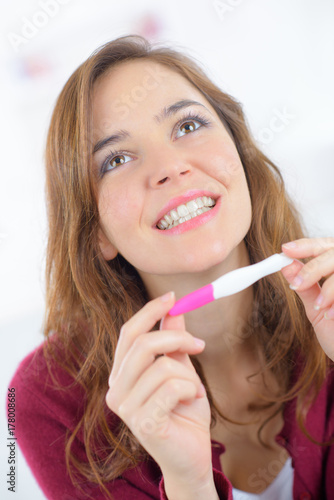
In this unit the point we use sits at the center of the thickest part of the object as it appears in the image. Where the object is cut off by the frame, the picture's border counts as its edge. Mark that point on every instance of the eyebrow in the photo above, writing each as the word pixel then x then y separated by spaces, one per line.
pixel 167 111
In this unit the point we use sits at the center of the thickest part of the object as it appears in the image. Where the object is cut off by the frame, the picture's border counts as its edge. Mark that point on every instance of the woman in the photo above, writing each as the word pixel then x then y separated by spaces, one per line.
pixel 232 400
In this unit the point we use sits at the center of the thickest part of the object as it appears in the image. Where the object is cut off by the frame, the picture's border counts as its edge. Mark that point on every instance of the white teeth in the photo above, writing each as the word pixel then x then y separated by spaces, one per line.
pixel 192 206
pixel 183 213
pixel 169 219
pixel 164 223
pixel 174 215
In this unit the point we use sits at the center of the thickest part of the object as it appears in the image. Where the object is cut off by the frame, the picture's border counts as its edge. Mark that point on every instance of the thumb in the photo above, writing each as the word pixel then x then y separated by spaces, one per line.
pixel 172 322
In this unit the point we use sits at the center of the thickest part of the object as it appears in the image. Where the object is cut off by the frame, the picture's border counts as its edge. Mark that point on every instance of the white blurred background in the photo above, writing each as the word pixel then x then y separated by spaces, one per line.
pixel 276 57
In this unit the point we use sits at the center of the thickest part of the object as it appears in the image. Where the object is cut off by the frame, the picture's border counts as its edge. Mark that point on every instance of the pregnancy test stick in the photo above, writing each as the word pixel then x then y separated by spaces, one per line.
pixel 230 283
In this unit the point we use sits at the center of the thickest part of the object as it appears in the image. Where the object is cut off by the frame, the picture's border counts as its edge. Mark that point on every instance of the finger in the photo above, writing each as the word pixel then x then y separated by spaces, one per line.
pixel 172 322
pixel 141 322
pixel 313 271
pixel 308 296
pixel 144 351
pixel 156 411
pixel 307 247
pixel 176 323
pixel 326 298
pixel 155 376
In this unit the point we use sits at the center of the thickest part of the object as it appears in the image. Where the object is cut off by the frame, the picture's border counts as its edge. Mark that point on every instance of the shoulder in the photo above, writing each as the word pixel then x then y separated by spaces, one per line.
pixel 38 367
pixel 43 387
pixel 320 415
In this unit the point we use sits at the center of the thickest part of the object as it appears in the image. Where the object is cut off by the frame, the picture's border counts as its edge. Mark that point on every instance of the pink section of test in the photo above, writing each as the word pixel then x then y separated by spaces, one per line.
pixel 193 300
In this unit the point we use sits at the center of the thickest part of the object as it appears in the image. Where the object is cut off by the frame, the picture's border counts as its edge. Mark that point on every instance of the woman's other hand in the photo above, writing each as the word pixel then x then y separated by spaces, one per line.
pixel 303 278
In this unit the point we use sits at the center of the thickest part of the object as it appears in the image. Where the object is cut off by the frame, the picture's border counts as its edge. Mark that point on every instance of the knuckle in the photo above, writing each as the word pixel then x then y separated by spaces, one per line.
pixel 309 268
pixel 172 386
pixel 327 255
pixel 327 288
pixel 140 342
pixel 124 330
pixel 123 411
pixel 164 364
pixel 112 400
pixel 111 379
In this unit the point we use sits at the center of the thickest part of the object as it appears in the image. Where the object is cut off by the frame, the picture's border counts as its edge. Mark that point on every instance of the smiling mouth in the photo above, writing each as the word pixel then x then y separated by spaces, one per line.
pixel 185 212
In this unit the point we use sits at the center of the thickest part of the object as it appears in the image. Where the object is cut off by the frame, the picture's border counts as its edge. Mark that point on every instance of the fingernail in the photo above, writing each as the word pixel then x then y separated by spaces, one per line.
pixel 199 342
pixel 329 314
pixel 167 296
pixel 318 302
pixel 291 244
pixel 296 283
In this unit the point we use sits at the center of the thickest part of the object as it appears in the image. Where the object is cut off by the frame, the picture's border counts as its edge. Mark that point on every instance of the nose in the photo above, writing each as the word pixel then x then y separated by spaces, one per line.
pixel 169 168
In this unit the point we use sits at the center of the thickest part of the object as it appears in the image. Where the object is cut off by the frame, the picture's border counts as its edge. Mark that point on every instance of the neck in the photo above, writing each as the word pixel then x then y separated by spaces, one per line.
pixel 229 350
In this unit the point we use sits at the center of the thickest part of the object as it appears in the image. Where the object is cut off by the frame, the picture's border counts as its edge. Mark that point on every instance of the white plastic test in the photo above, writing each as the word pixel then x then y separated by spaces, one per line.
pixel 239 279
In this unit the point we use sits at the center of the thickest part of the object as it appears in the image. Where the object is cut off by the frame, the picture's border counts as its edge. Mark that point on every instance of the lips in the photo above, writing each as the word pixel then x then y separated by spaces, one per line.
pixel 182 200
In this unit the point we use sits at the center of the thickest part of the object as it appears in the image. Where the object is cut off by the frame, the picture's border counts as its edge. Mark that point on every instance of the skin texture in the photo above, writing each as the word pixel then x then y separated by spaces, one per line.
pixel 163 162
pixel 161 399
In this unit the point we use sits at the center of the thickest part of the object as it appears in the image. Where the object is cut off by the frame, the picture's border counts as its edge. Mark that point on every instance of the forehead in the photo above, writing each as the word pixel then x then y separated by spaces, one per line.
pixel 138 87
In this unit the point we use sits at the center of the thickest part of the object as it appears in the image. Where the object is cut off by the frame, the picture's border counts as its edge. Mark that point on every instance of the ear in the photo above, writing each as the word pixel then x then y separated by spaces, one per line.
pixel 109 251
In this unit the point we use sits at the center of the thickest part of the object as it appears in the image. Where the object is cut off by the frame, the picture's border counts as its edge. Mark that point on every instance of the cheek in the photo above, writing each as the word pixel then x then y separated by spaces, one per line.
pixel 226 165
pixel 117 207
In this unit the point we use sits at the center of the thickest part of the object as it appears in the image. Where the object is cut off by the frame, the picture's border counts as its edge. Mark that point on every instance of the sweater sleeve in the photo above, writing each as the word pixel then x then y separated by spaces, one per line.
pixel 330 474
pixel 41 437
pixel 329 436
pixel 329 453
pixel 43 419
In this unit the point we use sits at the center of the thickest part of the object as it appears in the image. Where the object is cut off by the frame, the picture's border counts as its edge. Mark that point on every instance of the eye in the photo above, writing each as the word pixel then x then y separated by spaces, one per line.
pixel 114 160
pixel 190 123
pixel 188 127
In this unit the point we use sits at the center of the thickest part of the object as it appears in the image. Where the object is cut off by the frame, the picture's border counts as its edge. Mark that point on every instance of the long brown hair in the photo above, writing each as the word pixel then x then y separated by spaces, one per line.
pixel 88 299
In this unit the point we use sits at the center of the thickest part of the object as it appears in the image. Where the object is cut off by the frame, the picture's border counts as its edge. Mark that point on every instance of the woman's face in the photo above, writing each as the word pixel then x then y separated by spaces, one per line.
pixel 167 148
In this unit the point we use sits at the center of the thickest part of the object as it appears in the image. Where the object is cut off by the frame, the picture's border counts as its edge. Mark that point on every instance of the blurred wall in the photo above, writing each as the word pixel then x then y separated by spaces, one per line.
pixel 275 57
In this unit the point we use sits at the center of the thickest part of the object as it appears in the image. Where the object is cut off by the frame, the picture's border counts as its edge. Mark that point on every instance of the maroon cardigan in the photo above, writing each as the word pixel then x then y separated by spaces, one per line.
pixel 44 414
